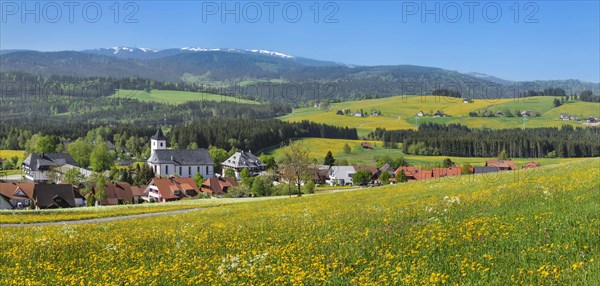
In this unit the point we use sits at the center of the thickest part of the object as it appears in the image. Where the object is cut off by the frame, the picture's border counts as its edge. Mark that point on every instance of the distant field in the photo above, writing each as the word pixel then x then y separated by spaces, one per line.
pixel 399 112
pixel 318 148
pixel 8 154
pixel 175 97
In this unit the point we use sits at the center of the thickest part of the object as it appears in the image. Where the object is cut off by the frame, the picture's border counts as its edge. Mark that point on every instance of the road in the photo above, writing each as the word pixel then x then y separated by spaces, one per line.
pixel 100 220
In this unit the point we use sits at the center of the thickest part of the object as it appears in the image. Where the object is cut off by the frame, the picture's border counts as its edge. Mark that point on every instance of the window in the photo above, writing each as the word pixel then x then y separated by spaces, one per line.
pixel 206 170
pixel 190 170
pixel 198 169
pixel 166 170
pixel 179 170
pixel 161 144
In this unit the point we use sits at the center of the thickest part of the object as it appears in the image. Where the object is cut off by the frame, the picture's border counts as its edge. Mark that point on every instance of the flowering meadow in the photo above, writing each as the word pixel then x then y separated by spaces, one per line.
pixel 540 226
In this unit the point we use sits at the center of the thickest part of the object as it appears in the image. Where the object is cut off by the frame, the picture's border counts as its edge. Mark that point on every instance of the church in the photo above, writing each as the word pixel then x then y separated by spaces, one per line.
pixel 178 163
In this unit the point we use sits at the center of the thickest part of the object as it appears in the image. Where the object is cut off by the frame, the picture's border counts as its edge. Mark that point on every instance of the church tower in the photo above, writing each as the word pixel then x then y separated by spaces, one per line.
pixel 158 141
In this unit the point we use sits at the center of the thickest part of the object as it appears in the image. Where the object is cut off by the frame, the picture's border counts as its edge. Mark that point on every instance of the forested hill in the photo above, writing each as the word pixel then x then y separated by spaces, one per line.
pixel 275 78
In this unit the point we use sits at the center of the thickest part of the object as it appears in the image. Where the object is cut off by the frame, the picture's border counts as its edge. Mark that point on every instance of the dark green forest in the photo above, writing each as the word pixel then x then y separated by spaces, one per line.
pixel 459 140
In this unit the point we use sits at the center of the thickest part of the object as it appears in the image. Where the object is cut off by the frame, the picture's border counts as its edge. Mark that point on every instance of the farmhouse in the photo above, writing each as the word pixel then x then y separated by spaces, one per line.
pixel 243 160
pixel 485 170
pixel 527 113
pixel 340 112
pixel 218 186
pixel 185 163
pixel 446 172
pixel 366 145
pixel 358 114
pixel 440 113
pixel 530 165
pixel 37 166
pixel 421 113
pixel 502 165
pixel 373 170
pixel 170 189
pixel 565 116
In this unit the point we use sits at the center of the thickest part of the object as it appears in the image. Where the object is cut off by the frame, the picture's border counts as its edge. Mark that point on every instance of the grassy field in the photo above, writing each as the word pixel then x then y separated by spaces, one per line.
pixel 8 154
pixel 318 148
pixel 175 97
pixel 399 112
pixel 540 227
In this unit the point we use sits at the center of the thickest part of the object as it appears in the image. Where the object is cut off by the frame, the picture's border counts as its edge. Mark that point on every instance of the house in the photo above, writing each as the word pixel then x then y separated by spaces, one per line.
pixel 38 166
pixel 503 165
pixel 340 112
pixel 170 189
pixel 243 160
pixel 19 195
pixel 358 114
pixel 466 100
pixel 421 113
pixel 5 202
pixel 185 163
pixel 527 113
pixel 565 116
pixel 117 193
pixel 373 170
pixel 530 165
pixel 446 172
pixel 440 113
pixel 485 170
pixel 341 175
pixel 54 196
pixel 320 175
pixel 499 114
pixel 366 145
pixel 386 168
pixel 138 193
pixel 218 186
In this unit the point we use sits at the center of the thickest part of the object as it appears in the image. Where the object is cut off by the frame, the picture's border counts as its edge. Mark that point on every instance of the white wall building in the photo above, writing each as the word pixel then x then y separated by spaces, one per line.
pixel 183 163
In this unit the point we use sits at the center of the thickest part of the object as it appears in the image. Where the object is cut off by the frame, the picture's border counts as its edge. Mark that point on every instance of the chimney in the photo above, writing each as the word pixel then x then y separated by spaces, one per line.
pixel 171 157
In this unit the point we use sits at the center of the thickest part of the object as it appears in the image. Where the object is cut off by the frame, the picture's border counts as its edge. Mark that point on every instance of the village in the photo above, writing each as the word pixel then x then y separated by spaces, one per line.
pixel 176 174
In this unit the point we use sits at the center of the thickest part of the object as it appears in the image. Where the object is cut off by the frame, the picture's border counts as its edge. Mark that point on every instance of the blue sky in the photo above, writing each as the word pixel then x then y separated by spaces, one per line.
pixel 547 40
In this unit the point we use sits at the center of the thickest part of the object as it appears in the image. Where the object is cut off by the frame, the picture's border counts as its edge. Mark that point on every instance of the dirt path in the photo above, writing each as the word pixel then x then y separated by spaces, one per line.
pixel 96 220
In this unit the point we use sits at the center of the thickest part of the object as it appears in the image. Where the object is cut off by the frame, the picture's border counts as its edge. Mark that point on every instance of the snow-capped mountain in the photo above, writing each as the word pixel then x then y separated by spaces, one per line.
pixel 146 53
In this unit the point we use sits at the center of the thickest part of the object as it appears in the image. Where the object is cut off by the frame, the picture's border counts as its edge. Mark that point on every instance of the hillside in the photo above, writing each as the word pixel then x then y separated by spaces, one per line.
pixel 291 79
pixel 318 148
pixel 175 97
pixel 399 112
pixel 540 227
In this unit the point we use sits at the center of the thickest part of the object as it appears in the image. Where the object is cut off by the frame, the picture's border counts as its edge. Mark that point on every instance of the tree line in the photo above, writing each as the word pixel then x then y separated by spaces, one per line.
pixel 459 140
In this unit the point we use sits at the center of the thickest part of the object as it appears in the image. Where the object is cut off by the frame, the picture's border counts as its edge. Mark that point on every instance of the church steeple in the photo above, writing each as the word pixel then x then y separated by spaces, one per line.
pixel 158 141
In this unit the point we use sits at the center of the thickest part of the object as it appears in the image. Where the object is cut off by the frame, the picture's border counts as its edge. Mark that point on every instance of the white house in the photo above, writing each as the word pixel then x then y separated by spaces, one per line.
pixel 37 166
pixel 421 113
pixel 341 175
pixel 243 160
pixel 185 163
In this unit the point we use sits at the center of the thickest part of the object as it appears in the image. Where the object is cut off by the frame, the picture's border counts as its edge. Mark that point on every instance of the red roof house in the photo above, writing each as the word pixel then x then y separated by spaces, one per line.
pixel 218 186
pixel 171 189
pixel 531 165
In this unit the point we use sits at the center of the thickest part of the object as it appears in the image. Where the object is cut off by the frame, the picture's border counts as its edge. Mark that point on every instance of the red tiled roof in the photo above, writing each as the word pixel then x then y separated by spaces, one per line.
pixel 167 187
pixel 531 165
pixel 218 186
pixel 446 172
pixel 9 189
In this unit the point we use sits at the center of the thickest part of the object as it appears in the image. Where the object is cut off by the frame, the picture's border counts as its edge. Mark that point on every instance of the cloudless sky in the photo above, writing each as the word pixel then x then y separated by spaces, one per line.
pixel 546 40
